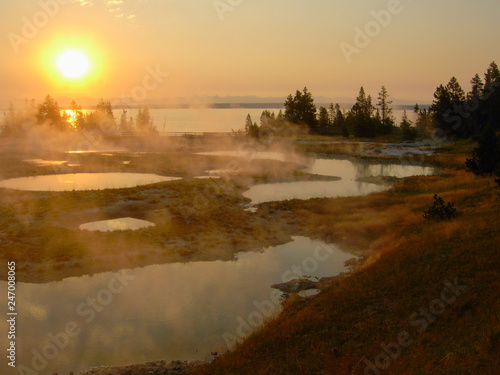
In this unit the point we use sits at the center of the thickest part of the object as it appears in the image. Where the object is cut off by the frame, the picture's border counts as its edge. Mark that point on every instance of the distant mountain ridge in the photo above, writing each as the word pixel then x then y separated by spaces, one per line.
pixel 246 101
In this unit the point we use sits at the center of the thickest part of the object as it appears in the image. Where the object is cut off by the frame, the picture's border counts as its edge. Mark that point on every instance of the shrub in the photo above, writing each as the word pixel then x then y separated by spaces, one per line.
pixel 440 211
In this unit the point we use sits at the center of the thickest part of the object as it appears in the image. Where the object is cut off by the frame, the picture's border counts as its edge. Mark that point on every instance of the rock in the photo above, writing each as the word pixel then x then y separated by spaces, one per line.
pixel 295 285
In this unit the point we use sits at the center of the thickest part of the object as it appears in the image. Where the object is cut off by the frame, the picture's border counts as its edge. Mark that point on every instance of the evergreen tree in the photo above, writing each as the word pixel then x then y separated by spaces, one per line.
pixel 76 118
pixel 124 126
pixel 251 128
pixel 447 108
pixel 339 122
pixel 248 123
pixel 387 121
pixel 492 96
pixel 300 109
pixel 101 118
pixel 323 121
pixel 360 118
pixel 408 133
pixel 477 87
pixel 267 119
pixel 104 116
pixel 49 112
pixel 424 122
pixel 332 112
pixel 492 75
pixel 377 120
pixel 143 120
pixel 474 105
pixel 104 108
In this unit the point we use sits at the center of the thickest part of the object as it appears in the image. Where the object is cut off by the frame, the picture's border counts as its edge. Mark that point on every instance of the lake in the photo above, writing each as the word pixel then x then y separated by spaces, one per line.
pixel 199 119
pixel 209 119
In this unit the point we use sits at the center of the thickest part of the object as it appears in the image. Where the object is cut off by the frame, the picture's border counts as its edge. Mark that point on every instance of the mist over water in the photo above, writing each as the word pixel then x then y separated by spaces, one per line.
pixel 171 311
pixel 175 310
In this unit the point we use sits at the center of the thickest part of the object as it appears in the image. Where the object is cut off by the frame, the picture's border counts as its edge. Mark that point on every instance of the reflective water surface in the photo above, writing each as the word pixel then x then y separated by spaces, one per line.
pixel 248 154
pixel 309 189
pixel 349 171
pixel 354 169
pixel 123 223
pixel 174 311
pixel 83 181
pixel 45 163
pixel 171 311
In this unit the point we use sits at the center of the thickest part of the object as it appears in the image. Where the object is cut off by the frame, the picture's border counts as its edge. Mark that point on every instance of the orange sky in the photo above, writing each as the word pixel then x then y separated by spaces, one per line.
pixel 157 48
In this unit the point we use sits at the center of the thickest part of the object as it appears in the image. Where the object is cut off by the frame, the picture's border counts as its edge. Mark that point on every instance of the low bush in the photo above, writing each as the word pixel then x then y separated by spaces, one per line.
pixel 440 211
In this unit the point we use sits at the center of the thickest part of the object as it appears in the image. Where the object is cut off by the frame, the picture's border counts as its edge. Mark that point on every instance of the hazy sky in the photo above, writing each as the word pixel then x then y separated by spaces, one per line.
pixel 246 47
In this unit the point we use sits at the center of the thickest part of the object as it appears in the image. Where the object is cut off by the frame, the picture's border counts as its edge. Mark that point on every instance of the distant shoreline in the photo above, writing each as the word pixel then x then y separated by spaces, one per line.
pixel 243 105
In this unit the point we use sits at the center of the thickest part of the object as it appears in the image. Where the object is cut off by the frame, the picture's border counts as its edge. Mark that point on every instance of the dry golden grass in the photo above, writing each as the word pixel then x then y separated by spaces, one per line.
pixel 409 261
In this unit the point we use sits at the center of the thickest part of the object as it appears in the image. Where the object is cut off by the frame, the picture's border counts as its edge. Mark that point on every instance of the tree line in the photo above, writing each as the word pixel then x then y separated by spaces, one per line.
pixel 48 113
pixel 453 113
pixel 364 120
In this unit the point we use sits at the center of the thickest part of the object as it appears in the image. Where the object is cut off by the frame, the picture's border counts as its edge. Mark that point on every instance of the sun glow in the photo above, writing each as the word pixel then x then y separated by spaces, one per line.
pixel 73 64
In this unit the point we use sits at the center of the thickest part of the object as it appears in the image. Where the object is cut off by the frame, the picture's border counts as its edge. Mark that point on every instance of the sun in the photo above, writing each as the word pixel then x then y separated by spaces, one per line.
pixel 73 64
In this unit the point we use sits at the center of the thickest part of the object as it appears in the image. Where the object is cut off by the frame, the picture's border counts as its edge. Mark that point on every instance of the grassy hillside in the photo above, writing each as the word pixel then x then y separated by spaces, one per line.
pixel 426 301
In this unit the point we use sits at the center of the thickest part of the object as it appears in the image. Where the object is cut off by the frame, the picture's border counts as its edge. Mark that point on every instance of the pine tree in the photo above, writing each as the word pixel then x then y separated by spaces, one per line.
pixel 408 133
pixel 385 111
pixel 251 128
pixel 267 119
pixel 340 122
pixel 477 87
pixel 103 117
pixel 48 112
pixel 248 123
pixel 360 117
pixel 323 120
pixel 76 118
pixel 300 109
pixel 492 96
pixel 492 75
pixel 424 122
pixel 332 113
pixel 143 120
pixel 447 108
